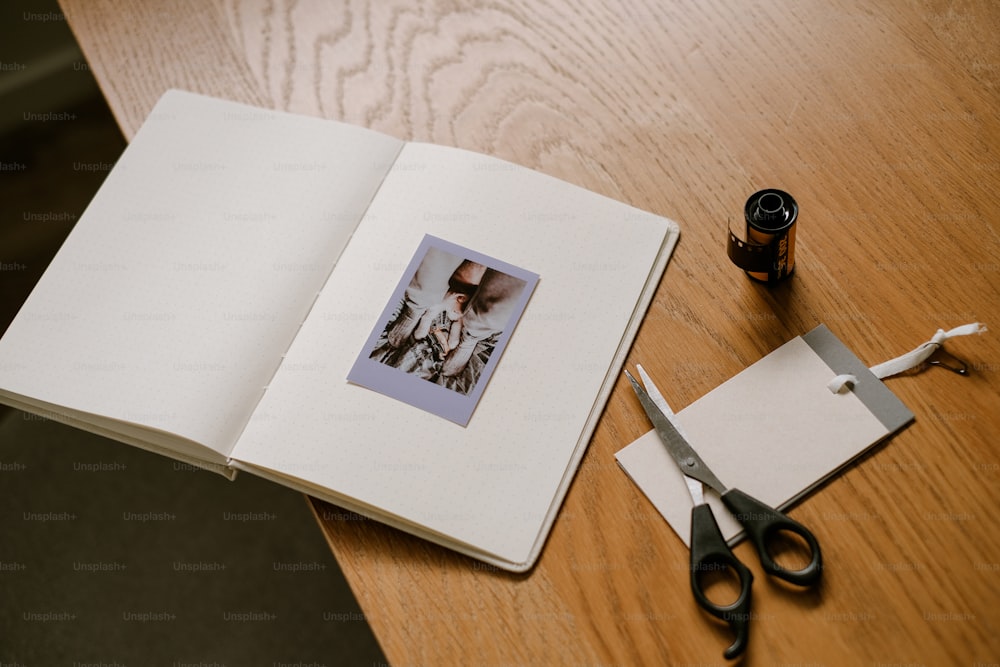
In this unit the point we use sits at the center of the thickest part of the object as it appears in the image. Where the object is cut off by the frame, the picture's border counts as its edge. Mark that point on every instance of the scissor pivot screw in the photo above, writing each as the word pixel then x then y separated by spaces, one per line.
pixel 689 462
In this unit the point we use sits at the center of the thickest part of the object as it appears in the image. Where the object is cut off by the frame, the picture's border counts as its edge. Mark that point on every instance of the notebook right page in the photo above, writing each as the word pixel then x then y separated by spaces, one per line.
pixel 492 486
pixel 775 430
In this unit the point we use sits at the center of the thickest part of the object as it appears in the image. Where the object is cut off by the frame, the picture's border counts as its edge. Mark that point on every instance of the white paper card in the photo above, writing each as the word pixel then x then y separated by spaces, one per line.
pixel 774 431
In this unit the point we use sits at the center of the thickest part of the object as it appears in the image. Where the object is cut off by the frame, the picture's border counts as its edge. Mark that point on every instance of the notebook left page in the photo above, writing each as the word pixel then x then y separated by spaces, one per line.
pixel 170 304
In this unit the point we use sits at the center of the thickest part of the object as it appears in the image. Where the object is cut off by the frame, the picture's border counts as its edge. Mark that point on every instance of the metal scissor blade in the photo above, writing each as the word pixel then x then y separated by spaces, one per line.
pixel 694 486
pixel 658 400
pixel 683 454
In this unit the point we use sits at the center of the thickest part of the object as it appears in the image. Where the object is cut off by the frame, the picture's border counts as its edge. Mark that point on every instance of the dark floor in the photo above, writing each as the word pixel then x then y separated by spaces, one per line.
pixel 113 556
pixel 110 555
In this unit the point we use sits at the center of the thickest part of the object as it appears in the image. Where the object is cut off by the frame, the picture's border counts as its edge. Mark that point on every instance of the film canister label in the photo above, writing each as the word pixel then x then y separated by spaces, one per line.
pixel 768 253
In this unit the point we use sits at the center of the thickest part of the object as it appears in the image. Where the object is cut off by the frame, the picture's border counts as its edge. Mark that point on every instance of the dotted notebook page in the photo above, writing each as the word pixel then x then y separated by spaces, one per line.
pixel 175 295
pixel 492 483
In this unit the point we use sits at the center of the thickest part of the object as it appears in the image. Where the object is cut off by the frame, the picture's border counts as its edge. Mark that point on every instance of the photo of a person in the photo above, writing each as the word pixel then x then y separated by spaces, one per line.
pixel 445 328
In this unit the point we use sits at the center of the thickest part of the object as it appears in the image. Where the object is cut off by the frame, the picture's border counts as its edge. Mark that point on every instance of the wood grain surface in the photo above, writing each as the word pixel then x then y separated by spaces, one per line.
pixel 881 120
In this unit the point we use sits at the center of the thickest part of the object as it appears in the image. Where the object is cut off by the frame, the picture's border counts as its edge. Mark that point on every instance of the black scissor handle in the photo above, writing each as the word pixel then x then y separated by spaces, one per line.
pixel 709 552
pixel 762 524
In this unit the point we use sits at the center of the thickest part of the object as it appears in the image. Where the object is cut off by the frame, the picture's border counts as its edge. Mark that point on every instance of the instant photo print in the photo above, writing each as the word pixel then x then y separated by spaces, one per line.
pixel 444 329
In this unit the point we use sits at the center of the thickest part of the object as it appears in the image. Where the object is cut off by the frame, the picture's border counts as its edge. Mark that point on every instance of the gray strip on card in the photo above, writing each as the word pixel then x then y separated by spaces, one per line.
pixel 869 389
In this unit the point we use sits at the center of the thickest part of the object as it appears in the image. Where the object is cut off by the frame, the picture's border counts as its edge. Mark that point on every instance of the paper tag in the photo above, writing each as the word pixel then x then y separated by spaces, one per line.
pixel 775 430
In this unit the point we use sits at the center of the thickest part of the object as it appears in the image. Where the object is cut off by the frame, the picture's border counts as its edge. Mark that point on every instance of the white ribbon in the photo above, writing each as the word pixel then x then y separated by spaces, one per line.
pixel 911 359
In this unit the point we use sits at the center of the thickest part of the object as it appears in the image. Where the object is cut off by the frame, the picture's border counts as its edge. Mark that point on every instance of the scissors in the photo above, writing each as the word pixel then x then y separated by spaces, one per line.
pixel 709 551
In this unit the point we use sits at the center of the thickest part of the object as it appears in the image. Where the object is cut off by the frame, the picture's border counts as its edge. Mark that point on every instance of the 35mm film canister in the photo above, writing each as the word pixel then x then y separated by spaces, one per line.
pixel 768 253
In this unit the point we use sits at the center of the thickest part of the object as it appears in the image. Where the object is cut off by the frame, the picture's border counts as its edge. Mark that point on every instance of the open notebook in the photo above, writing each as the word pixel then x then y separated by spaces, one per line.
pixel 235 264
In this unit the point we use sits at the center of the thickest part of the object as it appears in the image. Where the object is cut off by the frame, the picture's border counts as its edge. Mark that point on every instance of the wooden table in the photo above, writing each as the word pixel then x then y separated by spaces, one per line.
pixel 881 120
